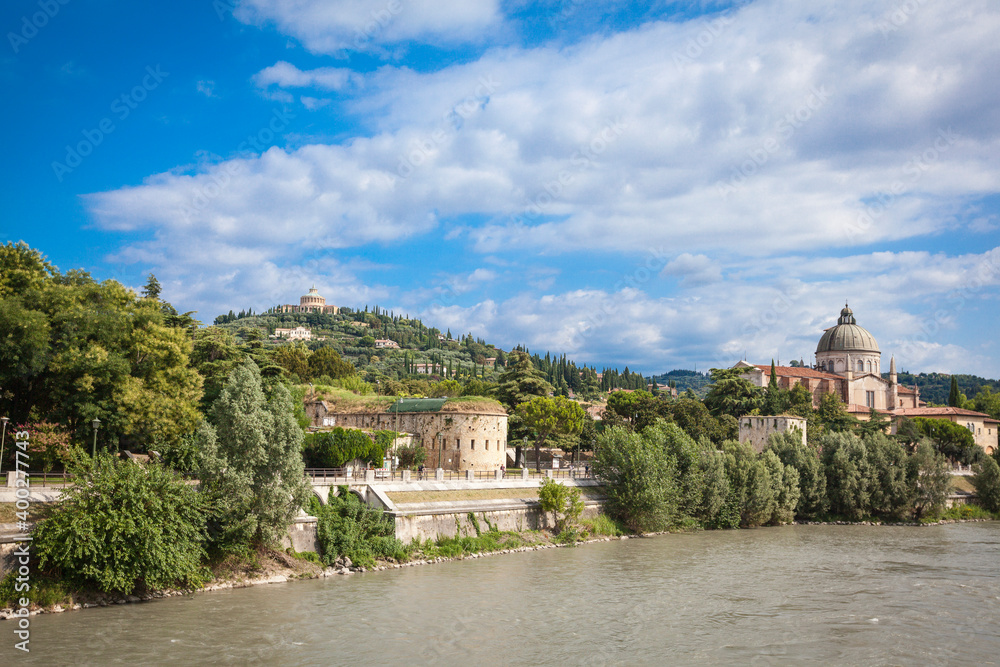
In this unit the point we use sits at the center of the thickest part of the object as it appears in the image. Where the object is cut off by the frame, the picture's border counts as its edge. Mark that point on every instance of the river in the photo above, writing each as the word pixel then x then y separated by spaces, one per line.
pixel 824 594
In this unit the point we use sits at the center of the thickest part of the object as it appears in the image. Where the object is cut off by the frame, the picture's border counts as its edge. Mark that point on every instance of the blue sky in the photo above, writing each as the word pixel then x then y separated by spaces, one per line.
pixel 659 184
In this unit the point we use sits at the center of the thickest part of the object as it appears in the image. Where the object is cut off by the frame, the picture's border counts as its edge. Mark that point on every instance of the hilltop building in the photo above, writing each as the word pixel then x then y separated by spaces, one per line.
pixel 457 435
pixel 309 303
pixel 296 333
pixel 848 364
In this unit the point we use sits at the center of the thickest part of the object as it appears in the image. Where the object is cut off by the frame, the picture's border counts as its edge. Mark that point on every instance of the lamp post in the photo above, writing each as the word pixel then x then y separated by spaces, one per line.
pixel 96 424
pixel 2 437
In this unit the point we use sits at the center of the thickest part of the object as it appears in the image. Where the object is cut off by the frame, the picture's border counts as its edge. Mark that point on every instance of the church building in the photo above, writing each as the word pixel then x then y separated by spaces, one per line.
pixel 848 364
pixel 309 303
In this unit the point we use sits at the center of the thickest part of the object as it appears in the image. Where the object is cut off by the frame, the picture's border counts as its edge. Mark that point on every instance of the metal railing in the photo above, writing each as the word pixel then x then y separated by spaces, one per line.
pixel 41 478
pixel 347 475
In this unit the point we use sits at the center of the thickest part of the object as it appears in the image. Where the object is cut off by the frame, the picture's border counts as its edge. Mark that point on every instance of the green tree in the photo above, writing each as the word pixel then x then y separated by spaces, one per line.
pixel 929 478
pixel 888 488
pixel 833 415
pixel 152 289
pixel 518 383
pixel 548 417
pixel 294 358
pixel 987 484
pixel 730 394
pixel 954 396
pixel 326 361
pixel 122 528
pixel 845 459
pixel 812 502
pixel 952 440
pixel 639 479
pixel 254 473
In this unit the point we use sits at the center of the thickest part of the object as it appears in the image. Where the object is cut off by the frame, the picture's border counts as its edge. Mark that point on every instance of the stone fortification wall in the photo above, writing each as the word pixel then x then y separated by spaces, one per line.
pixel 446 523
pixel 757 429
pixel 453 440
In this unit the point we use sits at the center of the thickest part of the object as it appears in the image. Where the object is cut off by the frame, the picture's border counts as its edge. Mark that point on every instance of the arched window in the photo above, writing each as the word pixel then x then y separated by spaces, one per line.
pixel 869 367
pixel 861 366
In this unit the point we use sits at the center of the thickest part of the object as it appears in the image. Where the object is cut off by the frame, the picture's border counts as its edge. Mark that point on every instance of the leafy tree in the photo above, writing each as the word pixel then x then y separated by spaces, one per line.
pixel 888 488
pixel 639 478
pixel 550 416
pixel 564 502
pixel 687 455
pixel 638 409
pixel 952 440
pixel 753 493
pixel 730 394
pixel 254 472
pixel 845 458
pixel 341 446
pixel 987 484
pixel 518 383
pixel 294 358
pixel 812 502
pixel 693 417
pixel 929 478
pixel 326 361
pixel 833 414
pixel 877 423
pixel 988 402
pixel 411 456
pixel 123 527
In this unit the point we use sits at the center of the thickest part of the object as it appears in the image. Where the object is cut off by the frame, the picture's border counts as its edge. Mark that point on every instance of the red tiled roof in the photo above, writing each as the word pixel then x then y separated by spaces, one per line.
pixel 857 408
pixel 798 372
pixel 938 412
pixel 903 389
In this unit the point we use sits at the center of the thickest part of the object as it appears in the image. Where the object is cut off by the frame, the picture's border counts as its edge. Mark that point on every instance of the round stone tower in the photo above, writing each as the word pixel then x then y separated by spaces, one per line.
pixel 312 300
pixel 848 349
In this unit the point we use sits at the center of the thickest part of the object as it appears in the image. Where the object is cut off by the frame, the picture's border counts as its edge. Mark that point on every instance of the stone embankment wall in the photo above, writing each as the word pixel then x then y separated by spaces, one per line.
pixel 517 516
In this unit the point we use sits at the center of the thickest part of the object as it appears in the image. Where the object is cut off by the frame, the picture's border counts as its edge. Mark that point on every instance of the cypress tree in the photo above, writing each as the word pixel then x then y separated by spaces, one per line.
pixel 953 395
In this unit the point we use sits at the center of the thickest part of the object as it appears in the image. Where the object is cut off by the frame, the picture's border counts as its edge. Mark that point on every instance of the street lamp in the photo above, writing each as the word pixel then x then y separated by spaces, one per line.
pixel 96 424
pixel 2 436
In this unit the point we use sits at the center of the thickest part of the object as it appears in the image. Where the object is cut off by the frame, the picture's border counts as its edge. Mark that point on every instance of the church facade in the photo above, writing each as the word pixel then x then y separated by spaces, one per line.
pixel 848 364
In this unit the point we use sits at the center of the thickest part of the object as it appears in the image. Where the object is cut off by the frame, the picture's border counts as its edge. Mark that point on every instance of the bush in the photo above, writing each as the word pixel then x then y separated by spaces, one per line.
pixel 340 446
pixel 348 527
pixel 124 527
pixel 564 502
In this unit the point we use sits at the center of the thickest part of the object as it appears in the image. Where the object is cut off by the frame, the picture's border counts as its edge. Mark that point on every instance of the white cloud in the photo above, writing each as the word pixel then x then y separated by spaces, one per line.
pixel 286 75
pixel 206 88
pixel 333 26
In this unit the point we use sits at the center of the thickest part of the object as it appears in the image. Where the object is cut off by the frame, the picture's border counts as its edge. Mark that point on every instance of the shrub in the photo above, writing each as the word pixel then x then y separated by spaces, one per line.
pixel 564 502
pixel 124 527
pixel 348 527
pixel 602 524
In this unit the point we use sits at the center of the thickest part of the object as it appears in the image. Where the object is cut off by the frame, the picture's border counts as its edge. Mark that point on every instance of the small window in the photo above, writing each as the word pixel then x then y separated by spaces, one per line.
pixel 472 444
pixel 458 443
pixel 487 445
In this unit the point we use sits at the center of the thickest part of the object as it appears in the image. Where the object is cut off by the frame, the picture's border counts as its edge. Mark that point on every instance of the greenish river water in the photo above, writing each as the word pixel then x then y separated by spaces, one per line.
pixel 799 594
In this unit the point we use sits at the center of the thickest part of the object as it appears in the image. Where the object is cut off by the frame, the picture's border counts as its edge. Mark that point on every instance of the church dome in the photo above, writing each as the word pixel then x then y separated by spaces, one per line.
pixel 847 336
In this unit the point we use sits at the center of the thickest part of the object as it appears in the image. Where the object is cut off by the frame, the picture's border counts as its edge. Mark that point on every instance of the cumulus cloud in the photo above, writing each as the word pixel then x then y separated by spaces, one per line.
pixel 780 139
pixel 286 75
pixel 333 26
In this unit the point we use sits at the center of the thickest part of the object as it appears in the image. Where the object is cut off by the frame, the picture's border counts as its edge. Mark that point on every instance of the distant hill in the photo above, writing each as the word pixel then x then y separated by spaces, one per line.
pixel 935 387
pixel 353 333
pixel 683 379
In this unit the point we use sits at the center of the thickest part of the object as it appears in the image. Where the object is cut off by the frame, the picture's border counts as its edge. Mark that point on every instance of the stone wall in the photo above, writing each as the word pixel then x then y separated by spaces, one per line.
pixel 757 429
pixel 448 524
pixel 453 440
